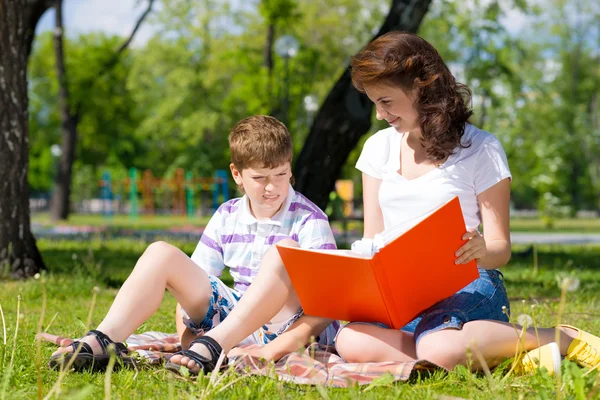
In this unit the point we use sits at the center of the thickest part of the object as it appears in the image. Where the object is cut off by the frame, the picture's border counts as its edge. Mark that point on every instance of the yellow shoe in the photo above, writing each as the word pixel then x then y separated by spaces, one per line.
pixel 547 356
pixel 585 348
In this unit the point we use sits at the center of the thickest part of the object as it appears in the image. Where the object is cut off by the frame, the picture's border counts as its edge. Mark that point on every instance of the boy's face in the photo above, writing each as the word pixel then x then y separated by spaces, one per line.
pixel 266 188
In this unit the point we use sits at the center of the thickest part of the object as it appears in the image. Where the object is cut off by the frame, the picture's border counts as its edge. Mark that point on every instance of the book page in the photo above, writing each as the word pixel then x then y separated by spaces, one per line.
pixel 336 252
pixel 391 233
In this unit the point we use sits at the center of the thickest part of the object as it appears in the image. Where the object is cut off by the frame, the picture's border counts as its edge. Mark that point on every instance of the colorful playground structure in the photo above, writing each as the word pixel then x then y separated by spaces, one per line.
pixel 182 192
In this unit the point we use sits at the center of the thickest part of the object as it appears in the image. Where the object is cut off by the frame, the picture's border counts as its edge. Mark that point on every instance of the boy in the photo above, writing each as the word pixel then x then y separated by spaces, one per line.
pixel 241 235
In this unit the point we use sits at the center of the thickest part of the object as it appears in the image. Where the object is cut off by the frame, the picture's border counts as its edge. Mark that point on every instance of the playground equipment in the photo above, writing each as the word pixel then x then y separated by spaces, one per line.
pixel 345 191
pixel 179 191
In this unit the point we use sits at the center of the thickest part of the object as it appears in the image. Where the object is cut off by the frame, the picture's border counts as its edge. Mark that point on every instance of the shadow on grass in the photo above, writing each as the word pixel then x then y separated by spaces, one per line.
pixel 108 263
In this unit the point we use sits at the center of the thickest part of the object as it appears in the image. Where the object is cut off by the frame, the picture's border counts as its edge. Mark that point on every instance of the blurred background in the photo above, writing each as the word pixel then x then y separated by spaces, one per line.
pixel 194 68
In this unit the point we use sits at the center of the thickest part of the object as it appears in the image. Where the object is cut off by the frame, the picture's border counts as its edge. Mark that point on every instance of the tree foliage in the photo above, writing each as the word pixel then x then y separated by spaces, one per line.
pixel 170 102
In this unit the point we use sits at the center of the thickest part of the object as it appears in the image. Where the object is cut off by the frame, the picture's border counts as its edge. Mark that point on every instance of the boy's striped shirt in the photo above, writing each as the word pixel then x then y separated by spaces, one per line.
pixel 234 238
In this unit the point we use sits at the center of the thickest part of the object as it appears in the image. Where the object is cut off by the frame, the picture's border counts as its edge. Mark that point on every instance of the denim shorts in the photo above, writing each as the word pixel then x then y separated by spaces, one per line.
pixel 482 299
pixel 224 299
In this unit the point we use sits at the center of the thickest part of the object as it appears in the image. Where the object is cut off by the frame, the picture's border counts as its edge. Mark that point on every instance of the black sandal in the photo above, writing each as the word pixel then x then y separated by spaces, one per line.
pixel 205 364
pixel 86 359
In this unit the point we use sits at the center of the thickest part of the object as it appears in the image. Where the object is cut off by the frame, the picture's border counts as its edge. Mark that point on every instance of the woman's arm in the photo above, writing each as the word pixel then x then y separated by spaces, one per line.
pixel 493 249
pixel 373 218
pixel 296 337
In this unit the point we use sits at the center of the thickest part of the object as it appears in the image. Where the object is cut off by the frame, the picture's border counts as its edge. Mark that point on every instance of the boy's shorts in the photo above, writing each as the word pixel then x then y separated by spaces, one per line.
pixel 482 299
pixel 223 300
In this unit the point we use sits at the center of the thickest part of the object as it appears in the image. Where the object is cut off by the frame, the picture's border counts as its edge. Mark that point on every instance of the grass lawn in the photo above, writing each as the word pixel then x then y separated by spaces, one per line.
pixel 79 266
pixel 579 225
pixel 125 221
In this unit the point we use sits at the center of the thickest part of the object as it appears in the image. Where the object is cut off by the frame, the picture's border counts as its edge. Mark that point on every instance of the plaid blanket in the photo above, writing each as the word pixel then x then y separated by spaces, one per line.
pixel 316 365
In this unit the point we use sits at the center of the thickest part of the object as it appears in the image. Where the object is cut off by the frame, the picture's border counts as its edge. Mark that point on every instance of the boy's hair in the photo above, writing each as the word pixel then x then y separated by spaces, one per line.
pixel 259 141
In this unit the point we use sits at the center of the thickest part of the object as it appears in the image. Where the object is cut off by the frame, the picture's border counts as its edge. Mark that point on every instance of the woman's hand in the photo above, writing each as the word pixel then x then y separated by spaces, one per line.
pixel 254 351
pixel 474 249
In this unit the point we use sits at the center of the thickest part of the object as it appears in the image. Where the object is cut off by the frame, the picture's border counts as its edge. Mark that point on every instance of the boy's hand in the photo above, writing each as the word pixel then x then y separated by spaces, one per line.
pixel 254 351
pixel 474 249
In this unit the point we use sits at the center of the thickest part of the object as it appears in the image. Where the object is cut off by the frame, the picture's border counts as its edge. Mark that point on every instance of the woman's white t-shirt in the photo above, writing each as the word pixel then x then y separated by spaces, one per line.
pixel 466 173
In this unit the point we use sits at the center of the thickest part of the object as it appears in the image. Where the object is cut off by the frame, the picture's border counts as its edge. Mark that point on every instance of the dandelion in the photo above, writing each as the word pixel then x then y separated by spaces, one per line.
pixel 96 289
pixel 525 320
pixel 37 276
pixel 74 256
pixel 568 283
pixel 573 284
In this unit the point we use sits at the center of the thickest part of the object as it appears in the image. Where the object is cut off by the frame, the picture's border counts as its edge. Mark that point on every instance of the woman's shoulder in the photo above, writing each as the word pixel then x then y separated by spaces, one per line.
pixel 381 138
pixel 475 139
pixel 385 134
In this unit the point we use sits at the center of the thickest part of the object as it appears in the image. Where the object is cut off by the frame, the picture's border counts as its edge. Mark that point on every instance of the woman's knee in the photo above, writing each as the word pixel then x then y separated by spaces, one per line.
pixel 441 349
pixel 349 344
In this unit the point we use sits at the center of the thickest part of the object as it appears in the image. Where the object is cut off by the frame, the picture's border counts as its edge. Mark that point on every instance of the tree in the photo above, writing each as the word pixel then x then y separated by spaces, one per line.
pixel 18 249
pixel 345 117
pixel 71 113
pixel 104 132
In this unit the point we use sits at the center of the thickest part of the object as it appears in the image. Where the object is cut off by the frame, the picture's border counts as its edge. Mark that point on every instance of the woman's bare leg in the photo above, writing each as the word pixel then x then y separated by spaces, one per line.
pixel 371 343
pixel 491 341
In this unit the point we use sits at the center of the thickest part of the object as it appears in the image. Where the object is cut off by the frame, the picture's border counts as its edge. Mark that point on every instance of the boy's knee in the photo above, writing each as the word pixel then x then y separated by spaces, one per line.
pixel 288 242
pixel 159 248
pixel 273 252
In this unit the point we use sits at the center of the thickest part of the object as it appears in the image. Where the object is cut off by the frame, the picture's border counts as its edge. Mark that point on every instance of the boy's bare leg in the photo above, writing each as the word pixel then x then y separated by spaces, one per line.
pixel 183 333
pixel 270 292
pixel 162 266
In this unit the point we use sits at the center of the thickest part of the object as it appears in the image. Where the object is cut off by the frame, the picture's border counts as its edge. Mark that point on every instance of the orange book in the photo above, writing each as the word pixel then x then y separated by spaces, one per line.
pixel 395 285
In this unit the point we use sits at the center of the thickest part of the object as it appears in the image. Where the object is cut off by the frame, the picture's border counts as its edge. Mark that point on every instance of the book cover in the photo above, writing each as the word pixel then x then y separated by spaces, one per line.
pixel 406 276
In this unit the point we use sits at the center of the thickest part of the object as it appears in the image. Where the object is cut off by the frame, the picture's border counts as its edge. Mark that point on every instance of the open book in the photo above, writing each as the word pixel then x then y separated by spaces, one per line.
pixel 406 276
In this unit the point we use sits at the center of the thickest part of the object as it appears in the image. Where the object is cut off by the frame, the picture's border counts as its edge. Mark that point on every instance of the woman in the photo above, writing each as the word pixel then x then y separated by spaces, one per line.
pixel 429 155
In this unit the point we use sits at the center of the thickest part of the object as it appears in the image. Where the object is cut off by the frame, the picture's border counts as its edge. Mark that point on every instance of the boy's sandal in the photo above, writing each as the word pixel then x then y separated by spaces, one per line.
pixel 205 364
pixel 86 359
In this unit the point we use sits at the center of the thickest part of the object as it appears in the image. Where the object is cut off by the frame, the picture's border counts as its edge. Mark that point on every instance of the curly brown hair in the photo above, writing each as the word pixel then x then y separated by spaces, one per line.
pixel 409 61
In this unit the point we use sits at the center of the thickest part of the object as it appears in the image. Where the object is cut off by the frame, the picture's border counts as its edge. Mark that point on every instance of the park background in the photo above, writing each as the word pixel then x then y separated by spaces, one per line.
pixel 163 97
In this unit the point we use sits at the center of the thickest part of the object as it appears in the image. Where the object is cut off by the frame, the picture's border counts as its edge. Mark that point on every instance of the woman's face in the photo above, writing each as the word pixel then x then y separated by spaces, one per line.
pixel 395 106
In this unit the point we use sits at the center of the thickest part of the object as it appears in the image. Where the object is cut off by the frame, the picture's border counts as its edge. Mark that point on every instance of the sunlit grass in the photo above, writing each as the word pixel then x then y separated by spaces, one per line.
pixel 78 266
pixel 125 221
pixel 581 225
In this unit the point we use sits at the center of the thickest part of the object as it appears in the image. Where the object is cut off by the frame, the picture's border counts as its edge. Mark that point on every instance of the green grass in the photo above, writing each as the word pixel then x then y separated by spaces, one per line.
pixel 579 225
pixel 125 221
pixel 78 266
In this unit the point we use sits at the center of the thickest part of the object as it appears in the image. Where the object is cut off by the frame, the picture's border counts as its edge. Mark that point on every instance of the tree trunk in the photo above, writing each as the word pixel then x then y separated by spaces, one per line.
pixel 344 117
pixel 70 114
pixel 268 57
pixel 19 254
pixel 62 187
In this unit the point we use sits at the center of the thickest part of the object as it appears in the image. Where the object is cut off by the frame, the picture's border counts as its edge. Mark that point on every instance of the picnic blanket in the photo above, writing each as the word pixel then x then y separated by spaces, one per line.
pixel 315 365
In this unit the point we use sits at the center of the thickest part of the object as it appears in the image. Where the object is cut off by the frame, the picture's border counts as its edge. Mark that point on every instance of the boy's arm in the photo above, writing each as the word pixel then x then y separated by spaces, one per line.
pixel 209 253
pixel 296 337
